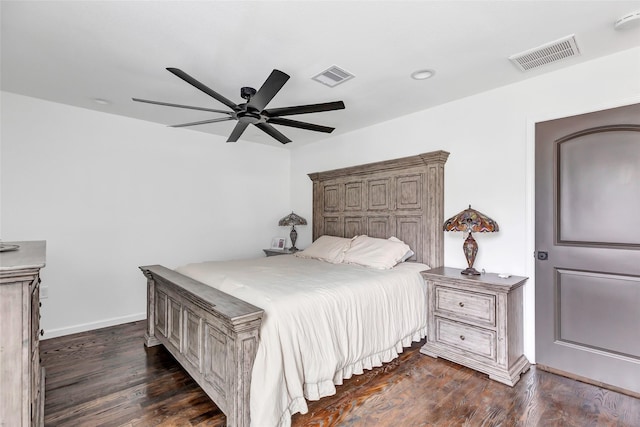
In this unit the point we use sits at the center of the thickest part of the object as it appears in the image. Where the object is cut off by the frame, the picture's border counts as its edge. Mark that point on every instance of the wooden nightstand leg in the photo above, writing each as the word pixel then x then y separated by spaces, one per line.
pixel 521 366
pixel 426 351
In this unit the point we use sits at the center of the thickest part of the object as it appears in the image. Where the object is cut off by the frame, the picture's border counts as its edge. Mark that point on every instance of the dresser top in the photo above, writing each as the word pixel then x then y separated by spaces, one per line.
pixel 31 254
pixel 487 279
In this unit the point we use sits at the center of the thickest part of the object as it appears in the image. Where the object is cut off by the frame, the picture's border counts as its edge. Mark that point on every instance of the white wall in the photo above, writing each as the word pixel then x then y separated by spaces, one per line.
pixel 490 139
pixel 109 194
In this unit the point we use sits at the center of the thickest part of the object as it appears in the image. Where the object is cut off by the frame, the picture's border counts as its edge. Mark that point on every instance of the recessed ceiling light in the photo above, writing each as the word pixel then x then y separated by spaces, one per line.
pixel 630 20
pixel 422 74
pixel 101 101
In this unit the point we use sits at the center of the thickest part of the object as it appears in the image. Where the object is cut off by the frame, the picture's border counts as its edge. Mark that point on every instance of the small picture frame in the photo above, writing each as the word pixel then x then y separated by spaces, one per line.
pixel 278 243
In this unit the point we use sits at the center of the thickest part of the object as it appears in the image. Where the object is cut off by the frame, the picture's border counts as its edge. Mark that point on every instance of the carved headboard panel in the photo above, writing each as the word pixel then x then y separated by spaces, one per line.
pixel 402 197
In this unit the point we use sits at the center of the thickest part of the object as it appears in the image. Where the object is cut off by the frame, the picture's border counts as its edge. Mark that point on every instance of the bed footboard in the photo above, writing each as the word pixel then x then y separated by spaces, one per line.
pixel 213 335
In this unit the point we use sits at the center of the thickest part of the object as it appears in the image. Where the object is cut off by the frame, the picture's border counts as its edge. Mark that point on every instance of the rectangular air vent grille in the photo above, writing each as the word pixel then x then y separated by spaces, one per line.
pixel 546 54
pixel 333 76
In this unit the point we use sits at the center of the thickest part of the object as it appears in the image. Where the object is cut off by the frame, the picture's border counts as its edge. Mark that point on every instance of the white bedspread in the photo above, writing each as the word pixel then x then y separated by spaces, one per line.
pixel 323 323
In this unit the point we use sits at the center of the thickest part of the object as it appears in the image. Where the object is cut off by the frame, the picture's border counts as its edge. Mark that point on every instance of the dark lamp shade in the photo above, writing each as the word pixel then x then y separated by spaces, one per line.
pixel 292 219
pixel 472 221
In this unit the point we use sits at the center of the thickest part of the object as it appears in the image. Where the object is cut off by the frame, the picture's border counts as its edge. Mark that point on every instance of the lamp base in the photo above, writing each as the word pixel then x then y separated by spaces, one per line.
pixel 293 236
pixel 470 272
pixel 470 248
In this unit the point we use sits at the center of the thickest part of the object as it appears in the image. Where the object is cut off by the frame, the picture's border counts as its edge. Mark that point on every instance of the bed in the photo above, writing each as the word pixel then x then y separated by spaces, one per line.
pixel 214 323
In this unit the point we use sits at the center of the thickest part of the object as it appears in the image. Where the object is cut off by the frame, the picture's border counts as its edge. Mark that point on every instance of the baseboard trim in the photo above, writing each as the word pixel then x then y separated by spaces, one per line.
pixel 588 380
pixel 54 333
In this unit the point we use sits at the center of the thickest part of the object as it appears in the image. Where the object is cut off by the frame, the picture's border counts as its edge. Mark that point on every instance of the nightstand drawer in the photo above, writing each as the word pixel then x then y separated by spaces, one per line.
pixel 481 342
pixel 466 305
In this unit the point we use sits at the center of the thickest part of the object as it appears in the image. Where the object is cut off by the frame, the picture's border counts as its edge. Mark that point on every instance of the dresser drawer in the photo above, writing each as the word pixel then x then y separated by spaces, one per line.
pixel 481 342
pixel 471 306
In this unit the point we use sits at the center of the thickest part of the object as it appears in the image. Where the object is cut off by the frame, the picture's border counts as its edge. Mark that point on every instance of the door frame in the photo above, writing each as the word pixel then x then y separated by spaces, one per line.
pixel 529 304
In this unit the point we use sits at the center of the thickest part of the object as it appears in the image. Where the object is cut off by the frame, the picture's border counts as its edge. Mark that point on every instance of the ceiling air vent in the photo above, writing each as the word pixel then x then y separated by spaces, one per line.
pixel 333 76
pixel 546 54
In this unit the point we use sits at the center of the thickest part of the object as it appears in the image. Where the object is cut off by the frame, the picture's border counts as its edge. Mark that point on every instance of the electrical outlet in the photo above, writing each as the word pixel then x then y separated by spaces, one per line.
pixel 44 292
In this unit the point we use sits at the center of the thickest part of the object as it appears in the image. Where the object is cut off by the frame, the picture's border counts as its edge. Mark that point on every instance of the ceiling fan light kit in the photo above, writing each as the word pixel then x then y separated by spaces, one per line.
pixel 253 110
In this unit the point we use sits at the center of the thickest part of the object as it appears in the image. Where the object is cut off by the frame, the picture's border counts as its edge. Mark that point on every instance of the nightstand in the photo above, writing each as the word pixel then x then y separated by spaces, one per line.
pixel 274 252
pixel 476 321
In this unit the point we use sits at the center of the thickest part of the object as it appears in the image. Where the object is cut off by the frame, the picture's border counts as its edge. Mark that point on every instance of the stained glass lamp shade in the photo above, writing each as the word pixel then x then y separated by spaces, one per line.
pixel 292 220
pixel 472 221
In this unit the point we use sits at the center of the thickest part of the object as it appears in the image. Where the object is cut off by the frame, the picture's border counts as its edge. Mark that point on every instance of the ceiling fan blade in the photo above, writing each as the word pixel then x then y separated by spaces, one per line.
pixel 269 89
pixel 203 122
pixel 193 82
pixel 273 132
pixel 237 131
pixel 301 125
pixel 181 106
pixel 304 109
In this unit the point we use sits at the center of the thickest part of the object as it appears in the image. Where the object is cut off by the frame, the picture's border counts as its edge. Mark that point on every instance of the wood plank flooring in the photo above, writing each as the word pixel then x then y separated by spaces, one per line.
pixel 107 377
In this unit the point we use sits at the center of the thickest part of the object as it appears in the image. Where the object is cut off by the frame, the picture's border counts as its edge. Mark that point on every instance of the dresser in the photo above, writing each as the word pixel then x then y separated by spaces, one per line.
pixel 476 321
pixel 21 376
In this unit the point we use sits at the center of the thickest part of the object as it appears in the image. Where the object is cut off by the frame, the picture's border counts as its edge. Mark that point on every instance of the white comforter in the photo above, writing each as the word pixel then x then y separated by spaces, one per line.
pixel 323 323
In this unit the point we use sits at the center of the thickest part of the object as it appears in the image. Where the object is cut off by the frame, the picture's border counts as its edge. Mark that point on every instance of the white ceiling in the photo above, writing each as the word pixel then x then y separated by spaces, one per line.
pixel 75 51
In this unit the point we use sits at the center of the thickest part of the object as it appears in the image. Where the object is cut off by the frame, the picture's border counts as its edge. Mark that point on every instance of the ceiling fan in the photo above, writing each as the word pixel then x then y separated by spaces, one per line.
pixel 253 110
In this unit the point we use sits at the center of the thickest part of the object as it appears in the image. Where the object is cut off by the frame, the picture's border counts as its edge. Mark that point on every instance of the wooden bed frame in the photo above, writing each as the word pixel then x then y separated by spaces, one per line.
pixel 214 336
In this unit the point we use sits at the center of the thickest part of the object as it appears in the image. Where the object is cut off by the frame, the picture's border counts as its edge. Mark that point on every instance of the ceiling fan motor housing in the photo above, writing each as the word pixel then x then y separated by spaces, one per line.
pixel 250 116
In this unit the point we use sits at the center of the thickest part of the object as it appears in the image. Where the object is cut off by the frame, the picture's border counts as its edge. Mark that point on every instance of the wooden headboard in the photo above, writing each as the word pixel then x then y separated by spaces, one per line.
pixel 402 197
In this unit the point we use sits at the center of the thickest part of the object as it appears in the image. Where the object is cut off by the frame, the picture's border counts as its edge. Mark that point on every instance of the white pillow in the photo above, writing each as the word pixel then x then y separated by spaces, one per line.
pixel 377 253
pixel 327 248
pixel 409 253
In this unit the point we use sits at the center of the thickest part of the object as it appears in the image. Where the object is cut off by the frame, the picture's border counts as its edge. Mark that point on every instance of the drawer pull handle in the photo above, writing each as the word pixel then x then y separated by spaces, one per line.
pixel 461 304
pixel 41 332
pixel 462 337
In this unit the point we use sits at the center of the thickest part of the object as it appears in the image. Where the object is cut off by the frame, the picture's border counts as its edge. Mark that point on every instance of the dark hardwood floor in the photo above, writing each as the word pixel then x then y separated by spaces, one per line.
pixel 107 377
